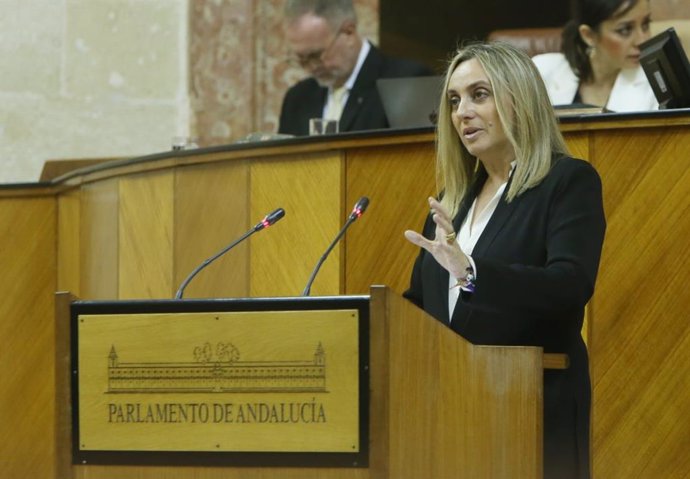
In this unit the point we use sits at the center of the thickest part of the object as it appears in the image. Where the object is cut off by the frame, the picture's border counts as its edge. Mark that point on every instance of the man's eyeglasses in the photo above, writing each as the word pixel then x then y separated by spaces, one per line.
pixel 306 59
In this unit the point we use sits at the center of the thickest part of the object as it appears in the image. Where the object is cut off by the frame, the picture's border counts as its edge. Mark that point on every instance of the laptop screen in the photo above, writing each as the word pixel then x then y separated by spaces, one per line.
pixel 410 102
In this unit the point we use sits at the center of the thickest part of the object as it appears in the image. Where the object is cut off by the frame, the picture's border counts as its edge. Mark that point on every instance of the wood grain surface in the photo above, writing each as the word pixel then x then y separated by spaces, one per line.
pixel 134 229
pixel 27 385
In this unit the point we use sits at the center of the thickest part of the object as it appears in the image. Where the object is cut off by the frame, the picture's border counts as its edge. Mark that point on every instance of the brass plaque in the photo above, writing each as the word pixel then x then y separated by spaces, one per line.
pixel 278 381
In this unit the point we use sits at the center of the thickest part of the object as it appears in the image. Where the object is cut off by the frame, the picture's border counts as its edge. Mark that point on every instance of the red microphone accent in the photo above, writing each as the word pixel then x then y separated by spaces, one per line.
pixel 360 208
pixel 270 219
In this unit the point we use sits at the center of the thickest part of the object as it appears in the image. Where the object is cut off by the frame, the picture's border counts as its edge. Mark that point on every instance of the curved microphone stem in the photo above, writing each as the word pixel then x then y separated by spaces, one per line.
pixel 357 211
pixel 307 288
pixel 210 260
pixel 270 219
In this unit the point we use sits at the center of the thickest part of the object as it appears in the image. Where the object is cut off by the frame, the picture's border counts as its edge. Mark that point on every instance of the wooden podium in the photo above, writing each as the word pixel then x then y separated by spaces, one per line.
pixel 430 403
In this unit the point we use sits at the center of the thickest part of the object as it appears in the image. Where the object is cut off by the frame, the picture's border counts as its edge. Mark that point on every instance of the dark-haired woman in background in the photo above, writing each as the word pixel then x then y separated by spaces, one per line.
pixel 600 63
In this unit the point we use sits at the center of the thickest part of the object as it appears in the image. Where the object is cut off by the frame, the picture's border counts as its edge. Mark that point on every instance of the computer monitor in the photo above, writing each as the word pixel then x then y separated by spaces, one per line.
pixel 666 65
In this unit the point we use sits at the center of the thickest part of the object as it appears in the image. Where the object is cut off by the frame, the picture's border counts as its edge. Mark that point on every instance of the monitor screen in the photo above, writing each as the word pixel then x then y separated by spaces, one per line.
pixel 410 102
pixel 666 65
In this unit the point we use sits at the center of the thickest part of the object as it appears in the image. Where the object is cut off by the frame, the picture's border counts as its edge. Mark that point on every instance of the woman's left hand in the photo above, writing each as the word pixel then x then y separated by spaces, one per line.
pixel 444 247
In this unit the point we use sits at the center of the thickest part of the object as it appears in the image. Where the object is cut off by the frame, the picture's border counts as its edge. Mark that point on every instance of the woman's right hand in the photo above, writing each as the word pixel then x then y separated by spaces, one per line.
pixel 444 247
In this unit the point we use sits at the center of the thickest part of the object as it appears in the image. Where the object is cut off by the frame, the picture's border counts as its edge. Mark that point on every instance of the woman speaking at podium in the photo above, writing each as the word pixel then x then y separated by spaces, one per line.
pixel 510 252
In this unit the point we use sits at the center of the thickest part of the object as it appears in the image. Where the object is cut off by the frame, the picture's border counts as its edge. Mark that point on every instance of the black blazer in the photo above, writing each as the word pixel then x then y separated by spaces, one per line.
pixel 363 110
pixel 537 262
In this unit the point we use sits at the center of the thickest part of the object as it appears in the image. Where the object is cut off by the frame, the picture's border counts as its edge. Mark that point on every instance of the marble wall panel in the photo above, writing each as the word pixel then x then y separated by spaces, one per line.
pixel 221 51
pixel 123 49
pixel 114 78
pixel 30 46
pixel 90 78
pixel 33 130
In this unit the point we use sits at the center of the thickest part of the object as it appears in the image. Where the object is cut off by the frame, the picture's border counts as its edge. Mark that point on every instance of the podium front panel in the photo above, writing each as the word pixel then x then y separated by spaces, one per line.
pixel 232 382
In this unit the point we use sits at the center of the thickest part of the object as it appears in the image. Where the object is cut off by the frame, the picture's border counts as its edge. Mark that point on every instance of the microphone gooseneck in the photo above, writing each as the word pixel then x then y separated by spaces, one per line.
pixel 268 220
pixel 358 210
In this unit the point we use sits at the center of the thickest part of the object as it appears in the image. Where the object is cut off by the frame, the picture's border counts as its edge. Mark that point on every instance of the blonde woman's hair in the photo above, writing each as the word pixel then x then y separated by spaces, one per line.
pixel 525 113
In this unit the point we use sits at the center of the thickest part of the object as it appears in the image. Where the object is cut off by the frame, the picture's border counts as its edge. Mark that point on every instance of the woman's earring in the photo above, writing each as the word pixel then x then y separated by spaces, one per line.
pixel 590 50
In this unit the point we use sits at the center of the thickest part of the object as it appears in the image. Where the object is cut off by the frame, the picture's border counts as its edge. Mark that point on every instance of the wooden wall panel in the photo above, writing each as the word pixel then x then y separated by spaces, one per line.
pixel 211 208
pixel 578 144
pixel 177 472
pixel 68 242
pixel 146 236
pixel 310 188
pixel 638 336
pixel 99 240
pixel 641 334
pixel 181 472
pixel 27 391
pixel 398 180
pixel 143 472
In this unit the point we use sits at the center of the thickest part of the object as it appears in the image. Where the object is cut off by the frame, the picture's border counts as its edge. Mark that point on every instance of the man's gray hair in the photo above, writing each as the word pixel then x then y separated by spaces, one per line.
pixel 334 11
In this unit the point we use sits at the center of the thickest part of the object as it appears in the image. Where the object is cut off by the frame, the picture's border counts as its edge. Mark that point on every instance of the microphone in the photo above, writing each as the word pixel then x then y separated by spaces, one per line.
pixel 268 220
pixel 357 211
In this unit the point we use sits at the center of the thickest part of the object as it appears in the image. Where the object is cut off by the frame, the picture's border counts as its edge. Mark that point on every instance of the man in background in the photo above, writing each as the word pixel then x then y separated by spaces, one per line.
pixel 343 67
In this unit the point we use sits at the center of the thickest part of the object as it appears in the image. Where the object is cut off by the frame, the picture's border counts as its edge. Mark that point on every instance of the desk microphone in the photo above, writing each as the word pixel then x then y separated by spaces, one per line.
pixel 357 211
pixel 270 219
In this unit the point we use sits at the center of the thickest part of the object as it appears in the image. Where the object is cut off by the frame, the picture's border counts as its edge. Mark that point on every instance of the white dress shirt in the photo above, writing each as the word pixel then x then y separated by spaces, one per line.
pixel 363 52
pixel 467 239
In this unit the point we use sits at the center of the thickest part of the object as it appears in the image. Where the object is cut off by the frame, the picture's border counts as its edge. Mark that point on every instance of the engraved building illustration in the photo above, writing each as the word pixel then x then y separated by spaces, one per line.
pixel 219 372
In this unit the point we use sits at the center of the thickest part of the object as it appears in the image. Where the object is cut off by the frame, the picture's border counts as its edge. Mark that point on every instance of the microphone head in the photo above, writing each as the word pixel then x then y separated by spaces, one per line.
pixel 270 219
pixel 360 208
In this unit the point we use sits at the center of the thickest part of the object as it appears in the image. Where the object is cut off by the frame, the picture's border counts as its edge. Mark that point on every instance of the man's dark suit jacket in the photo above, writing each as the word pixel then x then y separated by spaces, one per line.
pixel 363 110
pixel 537 262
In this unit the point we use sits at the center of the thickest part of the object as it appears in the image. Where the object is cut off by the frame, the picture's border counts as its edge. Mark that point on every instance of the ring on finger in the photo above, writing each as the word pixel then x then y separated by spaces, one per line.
pixel 450 238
